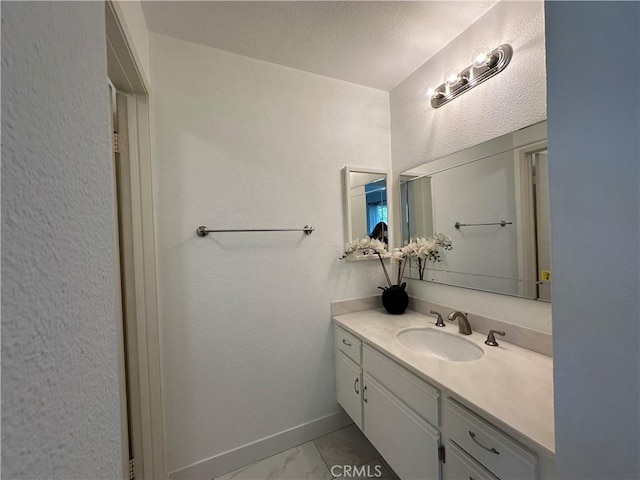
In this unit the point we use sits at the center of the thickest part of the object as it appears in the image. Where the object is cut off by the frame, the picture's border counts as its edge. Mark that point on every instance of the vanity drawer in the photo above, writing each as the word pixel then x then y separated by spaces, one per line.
pixel 412 390
pixel 494 449
pixel 460 466
pixel 349 344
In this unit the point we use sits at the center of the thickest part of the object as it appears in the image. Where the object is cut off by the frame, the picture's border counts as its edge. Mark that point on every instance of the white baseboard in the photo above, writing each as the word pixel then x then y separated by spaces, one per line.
pixel 265 447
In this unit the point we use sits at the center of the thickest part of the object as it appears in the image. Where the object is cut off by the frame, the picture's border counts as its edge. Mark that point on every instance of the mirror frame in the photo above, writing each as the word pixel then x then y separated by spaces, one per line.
pixel 527 138
pixel 346 188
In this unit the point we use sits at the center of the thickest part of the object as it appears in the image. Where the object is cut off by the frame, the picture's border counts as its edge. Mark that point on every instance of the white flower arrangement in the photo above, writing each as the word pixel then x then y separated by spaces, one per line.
pixel 423 249
pixel 368 246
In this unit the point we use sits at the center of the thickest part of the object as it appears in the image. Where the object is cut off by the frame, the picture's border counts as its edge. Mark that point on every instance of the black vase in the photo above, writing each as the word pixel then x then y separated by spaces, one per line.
pixel 395 299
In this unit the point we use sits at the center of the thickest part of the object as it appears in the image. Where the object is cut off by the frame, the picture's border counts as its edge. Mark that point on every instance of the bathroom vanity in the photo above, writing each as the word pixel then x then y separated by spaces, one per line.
pixel 433 418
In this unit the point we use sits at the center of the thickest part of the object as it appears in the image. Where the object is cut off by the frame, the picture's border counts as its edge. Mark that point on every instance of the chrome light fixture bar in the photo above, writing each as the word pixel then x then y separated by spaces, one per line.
pixel 485 64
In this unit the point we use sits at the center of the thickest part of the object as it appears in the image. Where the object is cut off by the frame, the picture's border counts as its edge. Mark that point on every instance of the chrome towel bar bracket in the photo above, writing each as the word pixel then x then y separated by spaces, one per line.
pixel 203 231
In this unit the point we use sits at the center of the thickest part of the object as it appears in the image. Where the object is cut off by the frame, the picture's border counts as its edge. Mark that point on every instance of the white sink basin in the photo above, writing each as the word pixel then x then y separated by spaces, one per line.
pixel 443 345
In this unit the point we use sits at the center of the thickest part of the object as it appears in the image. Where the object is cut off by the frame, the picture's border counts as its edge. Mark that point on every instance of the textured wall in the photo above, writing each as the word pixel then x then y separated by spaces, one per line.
pixel 60 407
pixel 245 318
pixel 594 179
pixel 511 100
pixel 345 40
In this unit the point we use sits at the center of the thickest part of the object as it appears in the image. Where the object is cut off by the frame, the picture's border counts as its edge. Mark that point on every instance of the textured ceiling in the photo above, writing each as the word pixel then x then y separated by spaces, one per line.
pixel 377 44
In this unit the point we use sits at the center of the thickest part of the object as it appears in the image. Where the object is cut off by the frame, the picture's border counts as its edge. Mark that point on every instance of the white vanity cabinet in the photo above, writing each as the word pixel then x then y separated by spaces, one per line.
pixel 405 440
pixel 349 387
pixel 460 466
pixel 391 406
pixel 442 420
pixel 349 374
pixel 477 442
pixel 349 344
pixel 422 432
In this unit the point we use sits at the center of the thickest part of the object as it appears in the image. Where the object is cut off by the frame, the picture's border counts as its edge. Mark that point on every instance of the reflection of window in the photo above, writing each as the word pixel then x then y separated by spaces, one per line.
pixel 376 193
pixel 376 213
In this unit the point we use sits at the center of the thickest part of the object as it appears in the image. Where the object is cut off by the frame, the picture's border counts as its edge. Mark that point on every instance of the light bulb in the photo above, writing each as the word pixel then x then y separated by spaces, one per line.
pixel 481 57
pixel 451 78
pixel 432 93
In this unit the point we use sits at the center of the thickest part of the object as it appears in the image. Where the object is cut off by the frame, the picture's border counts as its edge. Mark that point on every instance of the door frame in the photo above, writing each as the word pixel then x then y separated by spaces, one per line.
pixel 125 75
pixel 525 212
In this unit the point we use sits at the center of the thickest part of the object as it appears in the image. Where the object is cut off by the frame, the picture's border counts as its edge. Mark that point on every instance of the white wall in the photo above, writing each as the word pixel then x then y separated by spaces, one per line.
pixel 511 100
pixel 245 318
pixel 60 393
pixel 594 177
pixel 481 192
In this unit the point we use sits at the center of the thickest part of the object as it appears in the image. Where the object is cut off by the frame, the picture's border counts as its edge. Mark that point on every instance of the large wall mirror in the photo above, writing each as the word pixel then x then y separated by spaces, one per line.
pixel 366 204
pixel 493 201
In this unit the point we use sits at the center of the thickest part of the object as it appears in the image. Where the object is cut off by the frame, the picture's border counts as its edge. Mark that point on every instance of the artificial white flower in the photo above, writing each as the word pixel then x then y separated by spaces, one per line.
pixel 369 247
pixel 397 254
pixel 424 248
pixel 411 248
pixel 443 239
pixel 378 246
pixel 351 246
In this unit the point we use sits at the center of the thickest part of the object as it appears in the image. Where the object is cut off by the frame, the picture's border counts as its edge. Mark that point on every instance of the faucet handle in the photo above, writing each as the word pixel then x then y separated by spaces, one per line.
pixel 491 340
pixel 439 321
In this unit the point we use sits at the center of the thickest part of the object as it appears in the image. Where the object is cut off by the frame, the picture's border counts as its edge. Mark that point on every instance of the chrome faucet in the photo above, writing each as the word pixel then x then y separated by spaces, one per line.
pixel 463 322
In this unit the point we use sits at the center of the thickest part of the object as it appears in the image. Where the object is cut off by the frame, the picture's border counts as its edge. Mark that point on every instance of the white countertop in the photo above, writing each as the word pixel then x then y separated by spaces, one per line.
pixel 510 385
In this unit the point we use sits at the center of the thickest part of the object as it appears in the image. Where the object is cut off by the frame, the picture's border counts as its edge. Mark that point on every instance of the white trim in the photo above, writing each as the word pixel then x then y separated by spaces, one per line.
pixel 122 374
pixel 525 221
pixel 525 224
pixel 149 325
pixel 123 41
pixel 505 143
pixel 128 79
pixel 265 447
pixel 127 278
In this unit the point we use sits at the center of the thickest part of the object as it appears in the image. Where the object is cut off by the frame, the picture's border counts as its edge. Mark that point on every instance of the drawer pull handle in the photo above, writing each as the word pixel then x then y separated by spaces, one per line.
pixel 346 343
pixel 492 450
pixel 355 386
pixel 364 394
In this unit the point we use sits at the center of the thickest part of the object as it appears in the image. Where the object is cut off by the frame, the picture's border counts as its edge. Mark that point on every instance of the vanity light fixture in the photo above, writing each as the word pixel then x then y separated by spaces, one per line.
pixel 485 63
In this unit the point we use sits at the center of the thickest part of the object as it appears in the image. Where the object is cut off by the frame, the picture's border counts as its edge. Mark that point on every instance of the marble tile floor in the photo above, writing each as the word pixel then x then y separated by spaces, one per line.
pixel 335 455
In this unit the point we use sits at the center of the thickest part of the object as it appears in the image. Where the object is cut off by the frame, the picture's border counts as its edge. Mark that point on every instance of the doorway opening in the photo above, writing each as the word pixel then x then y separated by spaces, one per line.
pixel 534 226
pixel 134 240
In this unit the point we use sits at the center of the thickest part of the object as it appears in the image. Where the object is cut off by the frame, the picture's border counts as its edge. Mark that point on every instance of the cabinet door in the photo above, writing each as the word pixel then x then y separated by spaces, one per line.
pixel 460 466
pixel 406 441
pixel 349 387
pixel 491 447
